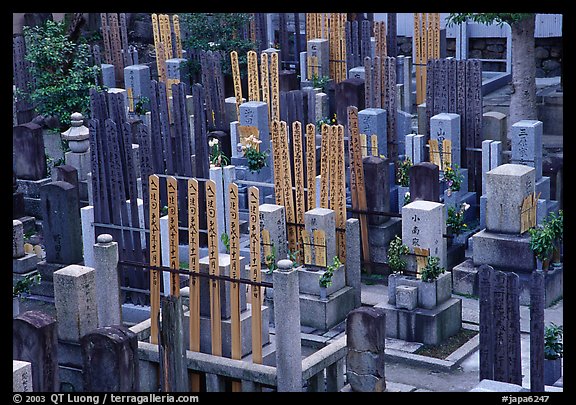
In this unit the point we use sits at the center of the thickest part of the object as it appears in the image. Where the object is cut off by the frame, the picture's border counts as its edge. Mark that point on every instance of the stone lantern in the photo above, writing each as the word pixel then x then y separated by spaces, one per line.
pixel 77 135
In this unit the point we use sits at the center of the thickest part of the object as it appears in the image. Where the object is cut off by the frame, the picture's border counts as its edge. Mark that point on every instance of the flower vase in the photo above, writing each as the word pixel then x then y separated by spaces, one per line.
pixel 323 293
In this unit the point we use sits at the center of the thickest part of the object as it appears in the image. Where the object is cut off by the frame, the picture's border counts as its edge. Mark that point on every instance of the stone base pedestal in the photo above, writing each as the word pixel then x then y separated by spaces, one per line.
pixel 428 326
pixel 25 263
pixel 325 314
pixel 465 281
pixel 379 237
pixel 503 251
pixel 245 332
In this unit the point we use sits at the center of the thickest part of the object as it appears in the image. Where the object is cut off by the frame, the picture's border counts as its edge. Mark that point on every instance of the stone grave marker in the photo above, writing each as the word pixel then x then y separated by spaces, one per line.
pixel 366 333
pixel 35 340
pixel 75 301
pixel 377 188
pixel 62 226
pixel 424 182
pixel 110 360
pixel 28 152
pixel 423 227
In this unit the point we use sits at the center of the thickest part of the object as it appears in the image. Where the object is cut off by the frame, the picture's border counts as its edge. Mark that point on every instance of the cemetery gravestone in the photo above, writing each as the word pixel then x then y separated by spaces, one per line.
pixel 424 182
pixel 377 188
pixel 62 227
pixel 366 332
pixel 110 360
pixel 34 339
pixel 28 152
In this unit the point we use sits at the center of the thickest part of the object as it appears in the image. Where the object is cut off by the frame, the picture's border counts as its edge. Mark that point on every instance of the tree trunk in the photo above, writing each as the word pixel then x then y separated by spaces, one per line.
pixel 523 99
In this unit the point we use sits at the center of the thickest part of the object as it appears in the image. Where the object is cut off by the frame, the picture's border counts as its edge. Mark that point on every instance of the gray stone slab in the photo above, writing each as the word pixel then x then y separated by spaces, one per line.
pixel 446 126
pixel 325 314
pixel 309 281
pixel 75 301
pixel 503 251
pixel 25 264
pixel 28 152
pixel 366 329
pixel 506 187
pixel 319 48
pixel 323 219
pixel 372 121
pixel 497 386
pixel 526 137
pixel 423 226
pixel 21 376
pixel 406 297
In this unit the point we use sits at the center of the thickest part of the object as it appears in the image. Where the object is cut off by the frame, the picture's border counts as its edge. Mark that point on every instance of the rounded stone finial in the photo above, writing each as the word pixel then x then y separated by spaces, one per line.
pixel 285 264
pixel 104 238
pixel 77 119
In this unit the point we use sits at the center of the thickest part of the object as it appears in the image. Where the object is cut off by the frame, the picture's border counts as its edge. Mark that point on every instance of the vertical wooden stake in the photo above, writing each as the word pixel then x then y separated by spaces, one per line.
pixel 237 83
pixel 172 186
pixel 358 182
pixel 236 349
pixel 324 166
pixel 265 81
pixel 340 197
pixel 213 267
pixel 311 165
pixel 319 247
pixel 194 268
pixel 299 182
pixel 288 193
pixel 276 154
pixel 253 86
pixel 154 190
pixel 275 87
pixel 256 303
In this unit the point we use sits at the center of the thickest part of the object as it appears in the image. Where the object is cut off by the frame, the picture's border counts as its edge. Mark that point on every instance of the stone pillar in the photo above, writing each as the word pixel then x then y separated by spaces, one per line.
pixel 35 340
pixel 366 334
pixel 29 162
pixel 349 92
pixel 357 72
pixel 377 188
pixel 107 281
pixel 527 144
pixel 491 158
pixel 88 235
pixel 323 219
pixel 108 75
pixel 422 121
pixel 372 121
pixel 137 78
pixel 255 113
pixel 415 148
pixel 506 187
pixel 174 69
pixel 446 126
pixel 424 226
pixel 61 226
pixel 424 182
pixel 110 360
pixel 17 239
pixel 21 376
pixel 403 128
pixel 75 299
pixel 494 126
pixel 322 106
pixel 353 259
pixel 287 320
pixel 319 48
pixel 272 219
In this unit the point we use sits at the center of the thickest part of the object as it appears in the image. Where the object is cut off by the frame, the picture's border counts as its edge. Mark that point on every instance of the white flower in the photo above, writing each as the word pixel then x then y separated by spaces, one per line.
pixel 466 206
pixel 258 141
pixel 243 148
pixel 211 142
pixel 407 195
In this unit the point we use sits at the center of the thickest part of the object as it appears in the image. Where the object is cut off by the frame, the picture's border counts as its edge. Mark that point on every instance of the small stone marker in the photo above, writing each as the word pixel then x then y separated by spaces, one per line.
pixel 424 182
pixel 21 376
pixel 75 300
pixel 366 332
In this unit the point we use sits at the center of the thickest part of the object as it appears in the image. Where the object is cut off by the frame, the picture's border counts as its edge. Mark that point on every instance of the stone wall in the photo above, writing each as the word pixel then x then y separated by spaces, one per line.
pixel 548 53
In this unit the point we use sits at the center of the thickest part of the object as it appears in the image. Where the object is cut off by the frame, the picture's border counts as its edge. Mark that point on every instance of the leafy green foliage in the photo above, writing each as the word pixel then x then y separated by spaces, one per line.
pixel 23 286
pixel 486 18
pixel 453 177
pixel 320 82
pixel 556 224
pixel 541 242
pixel 325 279
pixel 61 70
pixel 455 220
pixel 402 173
pixel 432 269
pixel 270 260
pixel 218 32
pixel 256 159
pixel 226 241
pixel 553 341
pixel 395 252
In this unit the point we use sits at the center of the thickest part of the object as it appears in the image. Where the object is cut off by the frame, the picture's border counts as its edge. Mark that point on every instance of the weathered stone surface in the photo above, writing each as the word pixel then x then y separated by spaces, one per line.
pixel 406 297
pixel 21 376
pixel 365 383
pixel 424 182
pixel 75 300
pixel 365 362
pixel 366 329
pixel 110 360
pixel 28 152
pixel 35 340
